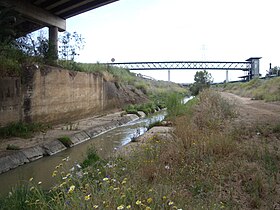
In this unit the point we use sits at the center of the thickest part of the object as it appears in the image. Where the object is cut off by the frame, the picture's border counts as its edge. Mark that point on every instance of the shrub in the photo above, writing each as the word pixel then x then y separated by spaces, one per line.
pixel 66 141
pixel 174 104
pixel 92 159
pixel 21 129
pixel 157 123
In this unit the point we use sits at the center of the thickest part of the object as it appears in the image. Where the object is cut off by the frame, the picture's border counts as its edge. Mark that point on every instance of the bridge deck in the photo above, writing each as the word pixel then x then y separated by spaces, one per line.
pixel 181 65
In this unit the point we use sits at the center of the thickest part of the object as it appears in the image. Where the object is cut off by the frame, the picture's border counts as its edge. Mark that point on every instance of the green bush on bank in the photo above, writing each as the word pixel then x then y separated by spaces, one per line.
pixel 92 159
pixel 147 108
pixel 66 141
pixel 21 129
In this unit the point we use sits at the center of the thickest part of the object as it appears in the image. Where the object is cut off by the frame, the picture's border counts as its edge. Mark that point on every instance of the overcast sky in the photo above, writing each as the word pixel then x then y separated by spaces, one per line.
pixel 189 30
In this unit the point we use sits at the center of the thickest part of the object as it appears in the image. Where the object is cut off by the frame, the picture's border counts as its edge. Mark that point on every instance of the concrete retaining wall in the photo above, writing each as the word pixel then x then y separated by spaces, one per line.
pixel 53 95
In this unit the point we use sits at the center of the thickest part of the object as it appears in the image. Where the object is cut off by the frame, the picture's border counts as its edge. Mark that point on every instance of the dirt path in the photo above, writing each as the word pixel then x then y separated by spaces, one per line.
pixel 255 111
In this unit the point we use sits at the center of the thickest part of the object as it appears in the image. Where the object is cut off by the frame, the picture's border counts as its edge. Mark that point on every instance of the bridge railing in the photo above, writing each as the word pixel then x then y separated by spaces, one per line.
pixel 180 65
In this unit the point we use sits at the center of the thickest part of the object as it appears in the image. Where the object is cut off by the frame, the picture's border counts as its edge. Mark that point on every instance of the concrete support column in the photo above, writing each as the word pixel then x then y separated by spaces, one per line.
pixel 226 76
pixel 53 39
pixel 168 75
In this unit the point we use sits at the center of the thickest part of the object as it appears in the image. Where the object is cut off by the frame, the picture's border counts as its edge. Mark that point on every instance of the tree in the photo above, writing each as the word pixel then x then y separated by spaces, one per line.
pixel 70 44
pixel 34 46
pixel 202 79
pixel 274 71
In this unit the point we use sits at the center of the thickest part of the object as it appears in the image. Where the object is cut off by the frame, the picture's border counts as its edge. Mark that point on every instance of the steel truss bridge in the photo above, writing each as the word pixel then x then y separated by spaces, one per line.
pixel 180 65
pixel 251 65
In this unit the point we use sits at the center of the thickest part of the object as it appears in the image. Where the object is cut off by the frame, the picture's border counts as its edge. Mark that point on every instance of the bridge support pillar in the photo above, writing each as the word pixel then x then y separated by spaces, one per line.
pixel 53 39
pixel 226 76
pixel 168 75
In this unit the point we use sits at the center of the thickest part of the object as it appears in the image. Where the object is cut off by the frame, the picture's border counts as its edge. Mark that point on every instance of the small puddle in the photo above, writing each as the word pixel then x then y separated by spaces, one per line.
pixel 105 144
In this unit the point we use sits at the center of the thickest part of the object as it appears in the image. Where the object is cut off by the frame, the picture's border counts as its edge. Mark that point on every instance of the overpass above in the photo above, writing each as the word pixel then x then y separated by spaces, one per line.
pixel 37 14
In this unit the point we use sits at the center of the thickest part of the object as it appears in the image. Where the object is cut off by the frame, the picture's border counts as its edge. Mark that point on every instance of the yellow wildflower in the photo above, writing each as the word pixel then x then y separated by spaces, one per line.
pixel 95 206
pixel 149 200
pixel 105 179
pixel 148 208
pixel 170 203
pixel 120 207
pixel 71 189
pixel 138 202
pixel 54 173
pixel 87 197
pixel 128 207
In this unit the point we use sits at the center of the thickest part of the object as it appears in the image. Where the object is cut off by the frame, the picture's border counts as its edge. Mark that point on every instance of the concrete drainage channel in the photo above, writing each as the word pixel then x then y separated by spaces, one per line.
pixel 31 154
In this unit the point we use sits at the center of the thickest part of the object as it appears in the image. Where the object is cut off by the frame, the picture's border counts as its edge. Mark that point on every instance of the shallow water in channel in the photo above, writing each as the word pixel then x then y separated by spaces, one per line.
pixel 105 144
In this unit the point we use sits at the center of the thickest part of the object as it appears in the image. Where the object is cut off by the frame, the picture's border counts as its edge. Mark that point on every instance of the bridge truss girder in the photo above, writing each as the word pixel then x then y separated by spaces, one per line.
pixel 181 65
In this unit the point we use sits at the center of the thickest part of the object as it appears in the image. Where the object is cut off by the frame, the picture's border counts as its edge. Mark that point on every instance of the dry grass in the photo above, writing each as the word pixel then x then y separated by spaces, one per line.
pixel 209 165
pixel 222 165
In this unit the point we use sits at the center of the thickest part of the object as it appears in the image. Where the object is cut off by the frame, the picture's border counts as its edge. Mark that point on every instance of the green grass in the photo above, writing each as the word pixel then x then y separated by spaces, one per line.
pixel 147 108
pixel 259 89
pixel 152 88
pixel 21 129
pixel 157 123
pixel 66 141
pixel 11 60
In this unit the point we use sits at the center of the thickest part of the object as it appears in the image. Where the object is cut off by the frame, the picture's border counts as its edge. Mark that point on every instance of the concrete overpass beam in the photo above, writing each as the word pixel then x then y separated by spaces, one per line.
pixel 35 14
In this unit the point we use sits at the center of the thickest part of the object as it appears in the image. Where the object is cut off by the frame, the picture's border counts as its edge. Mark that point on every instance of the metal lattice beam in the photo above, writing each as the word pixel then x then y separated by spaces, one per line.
pixel 181 65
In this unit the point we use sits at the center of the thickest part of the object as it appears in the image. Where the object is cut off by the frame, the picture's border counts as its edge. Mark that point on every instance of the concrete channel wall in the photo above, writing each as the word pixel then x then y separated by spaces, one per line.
pixel 30 154
pixel 53 95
